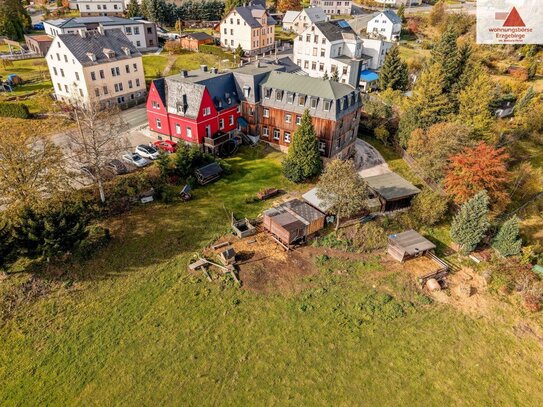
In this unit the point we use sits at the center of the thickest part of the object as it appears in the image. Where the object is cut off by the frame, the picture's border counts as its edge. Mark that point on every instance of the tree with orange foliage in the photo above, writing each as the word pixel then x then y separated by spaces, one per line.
pixel 285 5
pixel 482 167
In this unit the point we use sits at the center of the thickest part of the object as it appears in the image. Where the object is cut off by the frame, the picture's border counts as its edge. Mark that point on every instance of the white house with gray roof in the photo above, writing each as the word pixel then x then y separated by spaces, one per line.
pixel 299 21
pixel 141 33
pixel 250 27
pixel 98 7
pixel 96 66
pixel 386 25
pixel 327 47
pixel 337 7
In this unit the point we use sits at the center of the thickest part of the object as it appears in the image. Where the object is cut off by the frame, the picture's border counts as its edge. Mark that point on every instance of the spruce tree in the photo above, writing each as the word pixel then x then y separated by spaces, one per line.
pixel 393 75
pixel 401 12
pixel 335 75
pixel 325 76
pixel 6 244
pixel 303 160
pixel 471 223
pixel 133 9
pixel 446 54
pixel 507 241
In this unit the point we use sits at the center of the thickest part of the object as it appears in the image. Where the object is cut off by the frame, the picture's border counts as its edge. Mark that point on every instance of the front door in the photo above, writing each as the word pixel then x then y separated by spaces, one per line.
pixel 208 131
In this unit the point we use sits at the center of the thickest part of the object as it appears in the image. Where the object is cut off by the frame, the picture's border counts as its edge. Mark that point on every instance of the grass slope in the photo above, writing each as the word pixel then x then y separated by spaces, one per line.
pixel 132 327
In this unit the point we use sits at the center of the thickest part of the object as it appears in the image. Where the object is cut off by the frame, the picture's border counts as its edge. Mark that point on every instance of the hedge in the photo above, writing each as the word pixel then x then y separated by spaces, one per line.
pixel 17 110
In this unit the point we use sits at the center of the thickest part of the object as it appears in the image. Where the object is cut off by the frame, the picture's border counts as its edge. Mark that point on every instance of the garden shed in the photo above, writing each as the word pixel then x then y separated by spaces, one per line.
pixel 293 221
pixel 208 173
pixel 393 191
pixel 407 245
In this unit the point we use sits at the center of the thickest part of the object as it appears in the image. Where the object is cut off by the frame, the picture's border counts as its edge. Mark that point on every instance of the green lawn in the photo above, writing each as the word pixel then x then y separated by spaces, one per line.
pixel 131 327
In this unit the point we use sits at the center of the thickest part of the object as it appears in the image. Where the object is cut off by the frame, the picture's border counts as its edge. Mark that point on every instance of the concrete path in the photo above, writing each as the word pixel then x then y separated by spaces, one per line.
pixel 369 161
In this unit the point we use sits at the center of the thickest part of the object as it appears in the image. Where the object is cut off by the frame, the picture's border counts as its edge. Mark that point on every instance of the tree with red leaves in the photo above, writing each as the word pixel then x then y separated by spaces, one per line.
pixel 482 167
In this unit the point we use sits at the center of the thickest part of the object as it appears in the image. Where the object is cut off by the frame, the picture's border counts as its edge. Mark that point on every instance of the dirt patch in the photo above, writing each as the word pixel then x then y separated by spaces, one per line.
pixel 466 293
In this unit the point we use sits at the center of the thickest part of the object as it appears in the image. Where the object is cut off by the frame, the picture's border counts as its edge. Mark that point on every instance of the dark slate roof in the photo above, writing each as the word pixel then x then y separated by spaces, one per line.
pixel 335 30
pixel 391 186
pixel 160 85
pixel 200 36
pixel 80 22
pixel 411 242
pixel 250 13
pixel 209 170
pixel 304 210
pixel 96 43
pixel 220 86
pixel 392 16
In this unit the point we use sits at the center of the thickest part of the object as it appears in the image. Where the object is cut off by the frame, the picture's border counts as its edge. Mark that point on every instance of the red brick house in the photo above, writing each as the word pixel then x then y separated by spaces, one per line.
pixel 207 108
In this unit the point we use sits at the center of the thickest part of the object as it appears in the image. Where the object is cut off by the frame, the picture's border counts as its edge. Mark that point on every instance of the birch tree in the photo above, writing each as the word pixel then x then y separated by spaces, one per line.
pixel 96 140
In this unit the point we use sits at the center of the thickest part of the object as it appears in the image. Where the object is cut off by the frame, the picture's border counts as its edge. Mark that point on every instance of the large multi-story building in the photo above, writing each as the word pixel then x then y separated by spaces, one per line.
pixel 398 3
pixel 99 7
pixel 207 107
pixel 100 66
pixel 338 7
pixel 328 47
pixel 250 27
pixel 142 33
pixel 298 21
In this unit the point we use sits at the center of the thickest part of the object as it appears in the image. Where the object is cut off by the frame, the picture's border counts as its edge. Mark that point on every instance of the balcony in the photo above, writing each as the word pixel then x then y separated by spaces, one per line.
pixel 217 140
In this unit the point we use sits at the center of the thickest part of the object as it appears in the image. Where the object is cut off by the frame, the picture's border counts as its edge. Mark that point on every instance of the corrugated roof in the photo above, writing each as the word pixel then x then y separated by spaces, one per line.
pixel 391 186
pixel 411 242
pixel 96 43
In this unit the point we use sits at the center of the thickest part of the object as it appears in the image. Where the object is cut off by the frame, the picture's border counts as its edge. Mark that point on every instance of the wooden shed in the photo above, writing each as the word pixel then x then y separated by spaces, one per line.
pixel 293 221
pixel 393 191
pixel 407 245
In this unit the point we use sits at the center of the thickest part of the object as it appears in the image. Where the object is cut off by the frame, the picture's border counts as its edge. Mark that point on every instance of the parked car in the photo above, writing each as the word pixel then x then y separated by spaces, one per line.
pixel 166 145
pixel 38 26
pixel 136 159
pixel 147 151
pixel 116 167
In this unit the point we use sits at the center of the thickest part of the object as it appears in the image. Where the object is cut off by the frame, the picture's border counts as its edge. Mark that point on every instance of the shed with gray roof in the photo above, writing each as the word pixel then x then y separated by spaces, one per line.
pixel 393 191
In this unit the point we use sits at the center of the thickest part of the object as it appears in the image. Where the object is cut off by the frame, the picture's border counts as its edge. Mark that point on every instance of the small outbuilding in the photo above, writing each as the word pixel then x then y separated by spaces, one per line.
pixel 407 245
pixel 39 43
pixel 293 221
pixel 193 40
pixel 393 191
pixel 208 173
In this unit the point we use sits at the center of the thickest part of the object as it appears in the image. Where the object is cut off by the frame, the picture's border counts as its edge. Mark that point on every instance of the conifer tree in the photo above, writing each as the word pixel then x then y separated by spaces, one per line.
pixel 474 105
pixel 133 9
pixel 507 241
pixel 401 12
pixel 6 243
pixel 335 75
pixel 325 76
pixel 393 75
pixel 471 223
pixel 446 54
pixel 303 160
pixel 145 9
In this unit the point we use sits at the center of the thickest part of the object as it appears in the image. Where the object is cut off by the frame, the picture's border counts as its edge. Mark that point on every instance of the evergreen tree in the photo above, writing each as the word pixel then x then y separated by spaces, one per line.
pixel 471 223
pixel 303 160
pixel 507 241
pixel 525 100
pixel 49 232
pixel 401 12
pixel 393 75
pixel 335 76
pixel 145 9
pixel 446 54
pixel 325 76
pixel 164 165
pixel 474 105
pixel 6 243
pixel 133 9
pixel 239 51
pixel 230 4
pixel 532 69
pixel 14 19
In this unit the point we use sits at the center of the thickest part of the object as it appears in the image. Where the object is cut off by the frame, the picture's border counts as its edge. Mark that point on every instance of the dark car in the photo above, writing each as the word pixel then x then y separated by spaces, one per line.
pixel 116 167
pixel 38 26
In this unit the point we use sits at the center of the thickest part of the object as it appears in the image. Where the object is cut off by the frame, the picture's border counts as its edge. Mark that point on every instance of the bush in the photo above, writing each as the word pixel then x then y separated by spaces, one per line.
pixel 16 110
pixel 98 237
pixel 368 237
pixel 429 207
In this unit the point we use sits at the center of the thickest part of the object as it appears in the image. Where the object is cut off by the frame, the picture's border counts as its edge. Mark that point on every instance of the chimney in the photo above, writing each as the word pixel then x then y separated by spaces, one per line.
pixel 214 70
pixel 184 73
pixel 203 68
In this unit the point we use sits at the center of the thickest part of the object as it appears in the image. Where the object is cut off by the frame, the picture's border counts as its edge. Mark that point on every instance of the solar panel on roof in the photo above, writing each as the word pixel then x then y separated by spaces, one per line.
pixel 343 24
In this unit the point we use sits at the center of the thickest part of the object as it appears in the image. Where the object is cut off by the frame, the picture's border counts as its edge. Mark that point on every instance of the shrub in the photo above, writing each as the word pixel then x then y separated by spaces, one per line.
pixel 369 236
pixel 98 237
pixel 429 207
pixel 16 110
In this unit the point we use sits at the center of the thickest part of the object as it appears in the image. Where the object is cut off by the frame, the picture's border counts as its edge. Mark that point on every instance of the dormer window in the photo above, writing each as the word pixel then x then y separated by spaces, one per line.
pixel 267 93
pixel 246 91
pixel 91 56
pixel 183 106
pixel 327 105
pixel 314 103
pixel 126 51
pixel 301 100
pixel 290 97
pixel 278 94
pixel 109 53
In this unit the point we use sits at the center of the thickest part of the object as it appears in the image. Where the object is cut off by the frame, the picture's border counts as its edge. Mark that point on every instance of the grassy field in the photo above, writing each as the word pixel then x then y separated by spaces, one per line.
pixel 131 327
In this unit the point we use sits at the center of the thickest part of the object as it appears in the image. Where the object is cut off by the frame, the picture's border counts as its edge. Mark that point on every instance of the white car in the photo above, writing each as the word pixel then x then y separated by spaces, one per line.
pixel 136 159
pixel 147 152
